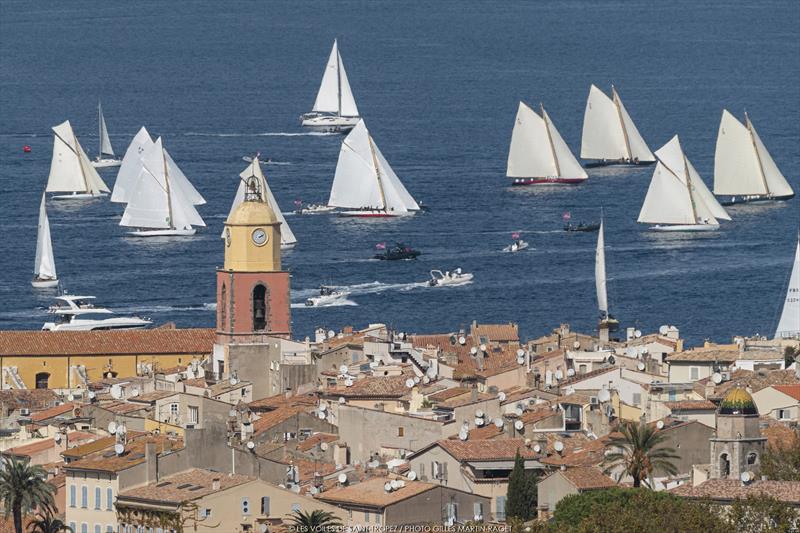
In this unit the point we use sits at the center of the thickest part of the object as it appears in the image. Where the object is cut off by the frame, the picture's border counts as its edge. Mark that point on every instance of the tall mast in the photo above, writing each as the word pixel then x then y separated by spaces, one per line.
pixel 339 77
pixel 615 97
pixel 80 164
pixel 100 129
pixel 377 170
pixel 169 194
pixel 755 148
pixel 550 138
pixel 689 187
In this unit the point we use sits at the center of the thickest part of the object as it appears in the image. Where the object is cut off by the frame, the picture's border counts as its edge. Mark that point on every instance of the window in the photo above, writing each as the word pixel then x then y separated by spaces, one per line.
pixel 501 508
pixel 84 528
pixel 109 499
pixel 173 409
pixel 98 528
pixel 205 513
pixel 109 528
pixel 265 505
pixel 400 431
pixel 245 506
pixel 724 466
pixel 752 458
pixel 673 395
pixel 637 398
pixel 98 493
pixel 73 490
pixel 84 497
pixel 244 392
pixel 72 525
pixel 193 414
pixel 259 308
pixel 581 369
pixel 783 414
pixel 477 511
pixel 41 380
pixel 377 518
pixel 694 372
pixel 366 517
pixel 223 308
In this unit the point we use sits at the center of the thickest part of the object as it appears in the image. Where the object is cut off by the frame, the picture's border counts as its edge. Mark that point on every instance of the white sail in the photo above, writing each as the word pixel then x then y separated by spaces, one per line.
pixel 179 180
pixel 701 194
pixel 397 196
pixel 254 169
pixel 568 166
pixel 131 166
pixel 600 272
pixel 603 136
pixel 638 149
pixel 154 202
pixel 70 169
pixel 530 154
pixel 105 142
pixel 347 103
pixel 335 95
pixel 736 167
pixel 789 323
pixel 45 264
pixel 776 182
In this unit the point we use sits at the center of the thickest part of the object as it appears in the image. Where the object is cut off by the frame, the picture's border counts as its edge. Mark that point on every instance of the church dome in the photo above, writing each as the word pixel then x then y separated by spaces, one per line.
pixel 252 214
pixel 738 402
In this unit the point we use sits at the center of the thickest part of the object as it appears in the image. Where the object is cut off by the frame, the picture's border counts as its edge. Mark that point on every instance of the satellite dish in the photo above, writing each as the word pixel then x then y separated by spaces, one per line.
pixel 518 425
pixel 660 424
pixel 134 393
pixel 263 528
pixel 395 484
pixel 331 334
pixel 321 415
pixel 576 344
pixel 528 443
pixel 295 489
pixel 416 380
pixel 537 448
pixel 342 401
pixel 716 378
pixel 121 429
pixel 116 392
pixel 746 477
pixel 521 360
pixel 479 422
pixel 426 380
pixel 570 372
pixel 323 446
pixel 559 446
pixel 411 475
pixel 603 395
pixel 519 411
pixel 387 486
pixel 410 383
pixel 473 350
pixel 640 365
pixel 92 395
pixel 663 330
pixel 462 341
pixel 630 352
pixel 233 381
pixel 251 445
pixel 463 434
pixel 479 413
pixel 57 437
pixel 343 369
pixel 431 372
pixel 119 448
pixel 313 490
pixel 520 353
pixel 70 397
pixel 112 427
pixel 559 374
pixel 373 364
pixel 501 396
pixel 348 382
pixel 483 347
pixel 611 360
pixel 322 407
pixel 498 422
pixel 342 478
pixel 637 334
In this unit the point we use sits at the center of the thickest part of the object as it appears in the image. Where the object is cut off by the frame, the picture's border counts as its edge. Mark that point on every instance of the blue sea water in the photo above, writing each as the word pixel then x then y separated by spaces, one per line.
pixel 438 84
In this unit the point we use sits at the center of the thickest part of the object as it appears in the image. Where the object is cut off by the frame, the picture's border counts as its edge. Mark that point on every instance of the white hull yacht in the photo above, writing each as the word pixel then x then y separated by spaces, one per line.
pixel 105 156
pixel 335 108
pixel 77 313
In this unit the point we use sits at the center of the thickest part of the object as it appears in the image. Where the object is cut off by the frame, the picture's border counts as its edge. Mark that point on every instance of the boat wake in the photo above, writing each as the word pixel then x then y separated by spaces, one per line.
pixel 374 287
pixel 205 307
pixel 339 302
pixel 262 134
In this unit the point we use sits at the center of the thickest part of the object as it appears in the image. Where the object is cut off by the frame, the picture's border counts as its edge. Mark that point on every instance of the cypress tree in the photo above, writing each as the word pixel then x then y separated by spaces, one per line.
pixel 521 499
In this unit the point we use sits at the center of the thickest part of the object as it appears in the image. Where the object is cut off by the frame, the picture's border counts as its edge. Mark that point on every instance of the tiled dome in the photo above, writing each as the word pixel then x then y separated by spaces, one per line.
pixel 738 402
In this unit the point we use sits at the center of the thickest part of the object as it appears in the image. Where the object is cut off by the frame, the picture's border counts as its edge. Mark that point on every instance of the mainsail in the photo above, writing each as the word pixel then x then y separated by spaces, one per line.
pixel 609 132
pixel 789 323
pixel 335 95
pixel 254 169
pixel 70 169
pixel 600 273
pixel 45 264
pixel 538 150
pixel 155 201
pixel 365 180
pixel 131 166
pixel 677 194
pixel 742 164
pixel 105 142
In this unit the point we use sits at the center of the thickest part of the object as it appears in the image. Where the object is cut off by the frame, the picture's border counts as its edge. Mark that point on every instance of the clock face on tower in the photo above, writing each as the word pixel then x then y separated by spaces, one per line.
pixel 260 237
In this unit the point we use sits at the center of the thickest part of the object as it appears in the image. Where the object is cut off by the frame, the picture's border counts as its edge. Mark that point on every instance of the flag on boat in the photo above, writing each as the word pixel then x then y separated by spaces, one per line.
pixel 298 202
pixel 381 246
pixel 566 216
pixel 515 235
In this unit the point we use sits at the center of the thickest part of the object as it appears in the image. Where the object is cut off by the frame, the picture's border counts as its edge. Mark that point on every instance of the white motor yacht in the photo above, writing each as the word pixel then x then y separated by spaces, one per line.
pixel 447 279
pixel 78 313
pixel 516 246
pixel 327 295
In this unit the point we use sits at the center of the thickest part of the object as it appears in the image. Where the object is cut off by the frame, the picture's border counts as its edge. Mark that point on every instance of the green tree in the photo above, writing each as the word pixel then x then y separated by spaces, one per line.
pixel 781 461
pixel 313 522
pixel 790 354
pixel 24 488
pixel 521 499
pixel 641 453
pixel 48 524
pixel 762 514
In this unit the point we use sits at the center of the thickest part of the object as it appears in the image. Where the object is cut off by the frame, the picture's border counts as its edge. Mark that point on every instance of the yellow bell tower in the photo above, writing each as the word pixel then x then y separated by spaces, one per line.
pixel 253 238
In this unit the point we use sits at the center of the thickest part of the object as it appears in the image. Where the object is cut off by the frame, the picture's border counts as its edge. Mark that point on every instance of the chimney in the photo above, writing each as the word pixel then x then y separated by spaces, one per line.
pixel 215 484
pixel 151 460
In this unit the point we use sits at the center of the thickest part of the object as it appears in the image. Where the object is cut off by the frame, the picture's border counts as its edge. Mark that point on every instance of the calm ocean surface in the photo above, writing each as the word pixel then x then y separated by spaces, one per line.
pixel 438 84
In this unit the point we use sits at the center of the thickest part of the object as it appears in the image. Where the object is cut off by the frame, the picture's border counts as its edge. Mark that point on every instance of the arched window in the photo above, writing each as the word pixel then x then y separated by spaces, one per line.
pixel 752 458
pixel 259 308
pixel 223 308
pixel 42 379
pixel 724 466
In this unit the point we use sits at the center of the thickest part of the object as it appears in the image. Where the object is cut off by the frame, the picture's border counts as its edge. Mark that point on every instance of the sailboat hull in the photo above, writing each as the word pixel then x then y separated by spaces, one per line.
pixel 546 181
pixel 754 199
pixel 163 233
pixel 372 214
pixel 40 283
pixel 288 246
pixel 106 163
pixel 597 163
pixel 78 196
pixel 332 123
pixel 687 227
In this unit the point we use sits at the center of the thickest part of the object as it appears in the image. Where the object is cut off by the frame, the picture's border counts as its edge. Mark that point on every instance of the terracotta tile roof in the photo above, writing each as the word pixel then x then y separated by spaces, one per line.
pixel 273 402
pixel 53 412
pixel 271 419
pixel 374 387
pixel 725 355
pixel 133 341
pixel 185 486
pixel 792 391
pixel 134 454
pixel 120 407
pixel 196 382
pixel 461 401
pixel 172 370
pixel 486 450
pixel 581 377
pixel 315 439
pixel 691 405
pixel 755 381
pixel 30 398
pixel 75 437
pixel 223 387
pixel 151 397
pixel 732 489
pixel 498 359
pixel 370 493
pixel 587 478
pixel 579 450
pixel 537 415
pixel 488 431
pixel 308 468
pixel 496 332
pixel 92 447
pixel 448 393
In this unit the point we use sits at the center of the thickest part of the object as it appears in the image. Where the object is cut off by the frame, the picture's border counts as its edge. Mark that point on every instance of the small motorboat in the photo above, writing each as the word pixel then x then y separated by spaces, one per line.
pixel 314 209
pixel 327 295
pixel 447 279
pixel 582 226
pixel 397 252
pixel 516 246
pixel 78 313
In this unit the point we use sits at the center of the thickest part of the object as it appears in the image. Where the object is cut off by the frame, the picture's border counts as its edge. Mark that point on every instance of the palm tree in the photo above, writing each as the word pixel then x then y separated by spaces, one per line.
pixel 48 524
pixel 24 488
pixel 313 522
pixel 640 453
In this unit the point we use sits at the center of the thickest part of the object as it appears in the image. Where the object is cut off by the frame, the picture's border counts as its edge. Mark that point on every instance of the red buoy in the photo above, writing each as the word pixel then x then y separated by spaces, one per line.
pixel 26 148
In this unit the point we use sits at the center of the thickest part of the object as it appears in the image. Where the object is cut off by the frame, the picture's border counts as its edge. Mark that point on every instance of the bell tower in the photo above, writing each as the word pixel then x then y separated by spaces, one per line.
pixel 253 300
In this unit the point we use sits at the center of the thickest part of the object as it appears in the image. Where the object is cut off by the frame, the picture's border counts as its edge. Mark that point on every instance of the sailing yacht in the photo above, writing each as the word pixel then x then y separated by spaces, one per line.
pixel 44 270
pixel 364 182
pixel 600 280
pixel 335 108
pixel 789 323
pixel 162 201
pixel 70 169
pixel 538 154
pixel 105 156
pixel 743 169
pixel 677 199
pixel 609 135
pixel 288 240
pixel 131 166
